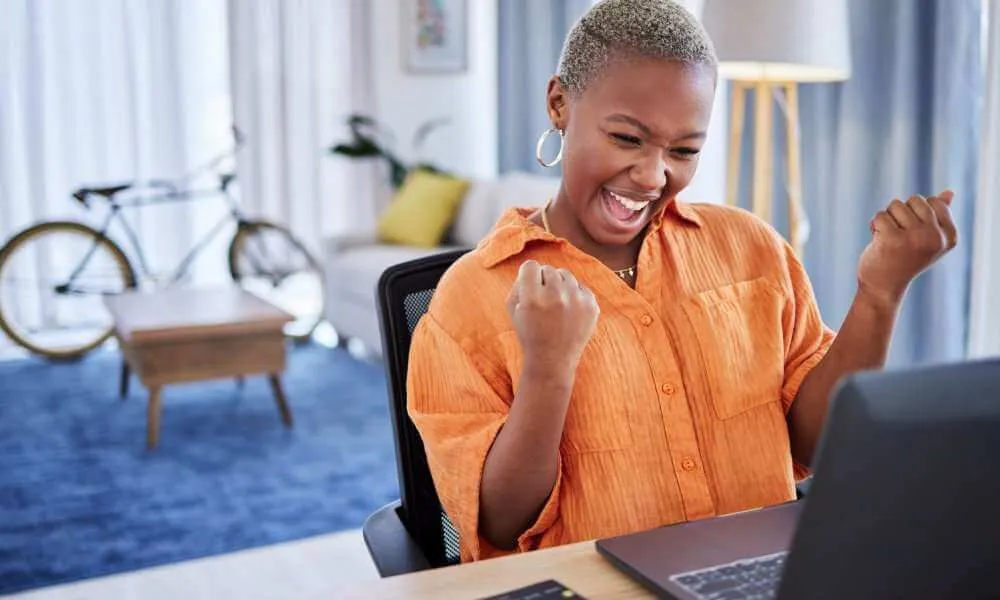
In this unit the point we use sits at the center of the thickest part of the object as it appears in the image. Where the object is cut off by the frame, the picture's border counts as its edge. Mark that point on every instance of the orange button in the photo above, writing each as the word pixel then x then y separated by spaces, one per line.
pixel 688 464
pixel 646 320
pixel 667 389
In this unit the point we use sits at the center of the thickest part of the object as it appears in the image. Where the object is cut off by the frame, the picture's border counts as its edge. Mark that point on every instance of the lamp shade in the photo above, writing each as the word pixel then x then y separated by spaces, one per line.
pixel 780 40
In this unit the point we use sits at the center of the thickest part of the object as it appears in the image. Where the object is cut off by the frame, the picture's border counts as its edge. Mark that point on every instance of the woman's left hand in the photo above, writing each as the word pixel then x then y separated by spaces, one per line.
pixel 907 238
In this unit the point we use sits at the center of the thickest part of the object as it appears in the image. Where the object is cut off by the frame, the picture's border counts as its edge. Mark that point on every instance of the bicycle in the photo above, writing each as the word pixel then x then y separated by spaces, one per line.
pixel 263 257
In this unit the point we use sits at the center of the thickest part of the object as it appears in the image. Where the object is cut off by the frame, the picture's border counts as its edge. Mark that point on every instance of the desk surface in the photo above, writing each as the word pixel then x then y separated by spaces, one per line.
pixel 577 566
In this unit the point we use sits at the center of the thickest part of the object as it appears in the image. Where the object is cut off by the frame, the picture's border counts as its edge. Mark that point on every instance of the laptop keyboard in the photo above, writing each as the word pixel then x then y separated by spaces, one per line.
pixel 747 579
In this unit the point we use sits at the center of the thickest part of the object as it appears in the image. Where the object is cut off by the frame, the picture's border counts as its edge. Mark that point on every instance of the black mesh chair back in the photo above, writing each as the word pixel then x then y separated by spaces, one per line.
pixel 404 293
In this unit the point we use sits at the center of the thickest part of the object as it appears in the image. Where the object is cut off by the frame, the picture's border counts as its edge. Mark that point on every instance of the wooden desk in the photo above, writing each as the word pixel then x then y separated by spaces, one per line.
pixel 577 566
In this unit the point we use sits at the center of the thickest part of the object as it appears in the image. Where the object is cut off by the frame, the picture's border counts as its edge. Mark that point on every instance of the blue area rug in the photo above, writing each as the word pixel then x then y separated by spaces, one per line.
pixel 80 496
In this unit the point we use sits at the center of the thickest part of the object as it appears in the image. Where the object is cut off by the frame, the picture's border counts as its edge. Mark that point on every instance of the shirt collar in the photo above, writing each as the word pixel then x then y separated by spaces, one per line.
pixel 515 231
pixel 683 211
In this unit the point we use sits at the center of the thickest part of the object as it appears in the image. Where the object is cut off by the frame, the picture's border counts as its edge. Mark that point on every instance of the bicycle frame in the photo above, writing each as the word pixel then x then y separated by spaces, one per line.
pixel 172 196
pixel 234 214
pixel 262 257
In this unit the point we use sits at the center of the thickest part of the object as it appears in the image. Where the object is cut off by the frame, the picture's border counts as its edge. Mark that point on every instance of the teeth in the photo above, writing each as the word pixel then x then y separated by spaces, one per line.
pixel 627 203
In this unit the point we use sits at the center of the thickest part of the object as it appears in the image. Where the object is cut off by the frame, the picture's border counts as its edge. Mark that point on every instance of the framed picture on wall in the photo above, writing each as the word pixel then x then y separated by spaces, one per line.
pixel 435 36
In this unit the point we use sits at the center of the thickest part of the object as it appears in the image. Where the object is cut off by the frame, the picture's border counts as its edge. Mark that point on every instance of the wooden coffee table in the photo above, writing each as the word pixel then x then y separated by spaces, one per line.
pixel 185 335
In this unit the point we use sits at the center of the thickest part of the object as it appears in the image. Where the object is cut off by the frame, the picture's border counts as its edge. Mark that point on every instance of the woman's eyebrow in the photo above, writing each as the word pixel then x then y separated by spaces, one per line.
pixel 623 118
pixel 694 135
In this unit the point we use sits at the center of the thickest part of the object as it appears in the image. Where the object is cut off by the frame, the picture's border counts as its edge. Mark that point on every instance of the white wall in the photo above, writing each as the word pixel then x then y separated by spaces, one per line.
pixel 403 101
pixel 709 183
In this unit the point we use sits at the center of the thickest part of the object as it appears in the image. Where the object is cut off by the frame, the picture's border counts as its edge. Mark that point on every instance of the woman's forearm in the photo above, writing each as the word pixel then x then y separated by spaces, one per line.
pixel 521 466
pixel 862 343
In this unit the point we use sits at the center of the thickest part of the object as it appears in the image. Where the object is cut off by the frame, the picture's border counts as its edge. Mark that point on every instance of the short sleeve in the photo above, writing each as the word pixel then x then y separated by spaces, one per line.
pixel 807 338
pixel 459 401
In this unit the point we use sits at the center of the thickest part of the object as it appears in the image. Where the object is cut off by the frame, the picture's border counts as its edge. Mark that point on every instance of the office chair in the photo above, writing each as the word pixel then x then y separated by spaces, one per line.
pixel 412 533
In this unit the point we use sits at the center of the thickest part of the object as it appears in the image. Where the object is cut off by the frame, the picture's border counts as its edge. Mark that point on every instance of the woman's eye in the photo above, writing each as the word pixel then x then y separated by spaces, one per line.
pixel 687 152
pixel 629 140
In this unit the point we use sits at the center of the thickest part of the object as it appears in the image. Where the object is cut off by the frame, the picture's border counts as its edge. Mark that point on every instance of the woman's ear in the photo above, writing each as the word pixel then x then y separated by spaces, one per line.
pixel 556 100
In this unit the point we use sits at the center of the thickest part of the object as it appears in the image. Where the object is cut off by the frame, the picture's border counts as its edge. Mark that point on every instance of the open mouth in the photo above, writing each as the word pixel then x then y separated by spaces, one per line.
pixel 622 211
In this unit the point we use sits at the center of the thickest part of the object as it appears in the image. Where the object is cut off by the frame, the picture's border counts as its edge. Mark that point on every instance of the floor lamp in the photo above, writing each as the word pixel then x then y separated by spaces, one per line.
pixel 768 47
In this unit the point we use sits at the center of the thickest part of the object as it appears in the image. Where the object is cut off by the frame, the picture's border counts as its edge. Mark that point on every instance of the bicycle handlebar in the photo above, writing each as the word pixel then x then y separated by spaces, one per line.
pixel 82 195
pixel 162 183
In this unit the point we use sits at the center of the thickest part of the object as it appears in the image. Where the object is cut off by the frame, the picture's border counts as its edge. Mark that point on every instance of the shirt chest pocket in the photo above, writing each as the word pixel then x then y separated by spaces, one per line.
pixel 739 332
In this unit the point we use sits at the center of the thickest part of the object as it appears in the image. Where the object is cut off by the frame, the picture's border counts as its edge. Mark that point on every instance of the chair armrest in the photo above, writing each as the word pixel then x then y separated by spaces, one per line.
pixel 391 547
pixel 343 241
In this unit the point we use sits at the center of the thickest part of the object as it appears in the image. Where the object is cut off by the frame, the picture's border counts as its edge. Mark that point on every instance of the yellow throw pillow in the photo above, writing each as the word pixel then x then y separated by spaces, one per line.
pixel 422 209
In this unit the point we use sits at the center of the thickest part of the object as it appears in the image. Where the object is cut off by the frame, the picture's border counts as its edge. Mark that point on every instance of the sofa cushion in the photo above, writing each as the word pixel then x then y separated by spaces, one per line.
pixel 422 209
pixel 525 190
pixel 476 215
pixel 356 271
pixel 487 200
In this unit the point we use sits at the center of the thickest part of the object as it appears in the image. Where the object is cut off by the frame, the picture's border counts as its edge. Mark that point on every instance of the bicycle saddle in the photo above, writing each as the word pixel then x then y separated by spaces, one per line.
pixel 107 192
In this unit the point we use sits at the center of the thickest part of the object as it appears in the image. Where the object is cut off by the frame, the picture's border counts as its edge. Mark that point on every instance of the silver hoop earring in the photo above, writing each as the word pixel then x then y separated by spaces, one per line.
pixel 541 142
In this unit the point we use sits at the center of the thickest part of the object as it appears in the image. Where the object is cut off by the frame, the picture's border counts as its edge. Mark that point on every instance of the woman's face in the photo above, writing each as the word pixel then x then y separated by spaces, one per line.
pixel 632 140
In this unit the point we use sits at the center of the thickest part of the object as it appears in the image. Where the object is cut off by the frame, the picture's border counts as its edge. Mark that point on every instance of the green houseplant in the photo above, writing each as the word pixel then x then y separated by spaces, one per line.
pixel 371 140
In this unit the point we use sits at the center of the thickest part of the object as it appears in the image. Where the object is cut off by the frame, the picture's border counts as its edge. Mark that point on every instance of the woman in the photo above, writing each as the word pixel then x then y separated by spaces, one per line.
pixel 619 360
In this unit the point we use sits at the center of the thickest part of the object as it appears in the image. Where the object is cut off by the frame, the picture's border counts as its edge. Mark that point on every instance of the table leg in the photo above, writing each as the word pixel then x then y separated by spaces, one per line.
pixel 153 418
pixel 123 385
pixel 279 397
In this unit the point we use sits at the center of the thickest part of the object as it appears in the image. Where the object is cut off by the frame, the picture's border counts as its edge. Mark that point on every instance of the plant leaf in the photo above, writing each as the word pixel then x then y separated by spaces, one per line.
pixel 426 129
pixel 355 151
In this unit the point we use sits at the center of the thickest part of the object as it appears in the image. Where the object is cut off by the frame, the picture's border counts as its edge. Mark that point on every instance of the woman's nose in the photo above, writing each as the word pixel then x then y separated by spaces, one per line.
pixel 651 173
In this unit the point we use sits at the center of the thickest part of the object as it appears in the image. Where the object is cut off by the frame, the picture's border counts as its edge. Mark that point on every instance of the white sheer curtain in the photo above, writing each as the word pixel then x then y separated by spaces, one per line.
pixel 105 91
pixel 113 90
pixel 299 68
pixel 108 91
pixel 984 325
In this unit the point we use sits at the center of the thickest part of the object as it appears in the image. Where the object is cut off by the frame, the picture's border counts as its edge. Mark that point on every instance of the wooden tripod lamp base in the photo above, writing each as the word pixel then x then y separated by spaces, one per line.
pixel 769 47
pixel 766 93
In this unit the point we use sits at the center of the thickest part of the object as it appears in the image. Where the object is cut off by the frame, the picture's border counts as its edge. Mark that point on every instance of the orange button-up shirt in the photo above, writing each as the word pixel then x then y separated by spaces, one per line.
pixel 679 407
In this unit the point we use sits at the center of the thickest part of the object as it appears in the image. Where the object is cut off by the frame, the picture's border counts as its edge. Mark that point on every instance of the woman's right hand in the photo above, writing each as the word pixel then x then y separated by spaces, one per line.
pixel 554 316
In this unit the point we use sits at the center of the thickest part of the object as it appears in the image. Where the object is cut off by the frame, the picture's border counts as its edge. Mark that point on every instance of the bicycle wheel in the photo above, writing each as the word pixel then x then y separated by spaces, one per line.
pixel 53 277
pixel 267 260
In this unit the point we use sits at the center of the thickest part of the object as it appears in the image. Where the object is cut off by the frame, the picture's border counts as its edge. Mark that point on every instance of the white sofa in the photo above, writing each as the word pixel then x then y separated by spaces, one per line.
pixel 353 263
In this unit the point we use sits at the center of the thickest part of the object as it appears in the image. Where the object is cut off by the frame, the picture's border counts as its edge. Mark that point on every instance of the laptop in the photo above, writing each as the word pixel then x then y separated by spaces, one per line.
pixel 904 503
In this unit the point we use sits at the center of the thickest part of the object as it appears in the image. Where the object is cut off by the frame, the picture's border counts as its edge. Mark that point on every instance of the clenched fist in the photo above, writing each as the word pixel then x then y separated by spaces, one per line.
pixel 907 238
pixel 553 314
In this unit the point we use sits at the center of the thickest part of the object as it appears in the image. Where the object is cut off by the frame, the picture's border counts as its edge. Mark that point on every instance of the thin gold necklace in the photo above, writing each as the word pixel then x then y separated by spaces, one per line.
pixel 627 274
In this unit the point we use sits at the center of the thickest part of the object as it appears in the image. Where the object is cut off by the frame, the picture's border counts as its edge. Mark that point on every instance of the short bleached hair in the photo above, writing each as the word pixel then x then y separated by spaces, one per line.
pixel 623 29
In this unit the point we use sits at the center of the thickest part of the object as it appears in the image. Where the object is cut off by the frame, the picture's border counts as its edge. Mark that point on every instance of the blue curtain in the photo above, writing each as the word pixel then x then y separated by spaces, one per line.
pixel 530 38
pixel 905 123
